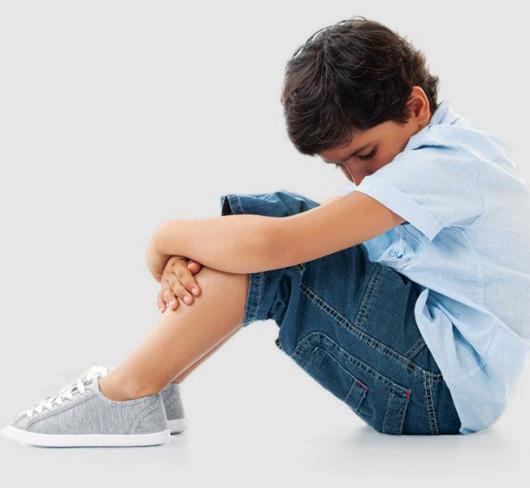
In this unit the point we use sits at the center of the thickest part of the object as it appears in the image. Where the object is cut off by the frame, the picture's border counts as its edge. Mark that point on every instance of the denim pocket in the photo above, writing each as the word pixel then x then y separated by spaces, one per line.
pixel 323 367
pixel 376 399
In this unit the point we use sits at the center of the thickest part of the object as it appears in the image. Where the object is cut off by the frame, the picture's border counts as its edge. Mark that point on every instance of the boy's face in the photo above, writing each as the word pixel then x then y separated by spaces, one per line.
pixel 379 145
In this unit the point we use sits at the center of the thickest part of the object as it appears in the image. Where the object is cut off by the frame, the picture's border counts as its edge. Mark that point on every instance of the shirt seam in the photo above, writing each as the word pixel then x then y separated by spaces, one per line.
pixel 383 182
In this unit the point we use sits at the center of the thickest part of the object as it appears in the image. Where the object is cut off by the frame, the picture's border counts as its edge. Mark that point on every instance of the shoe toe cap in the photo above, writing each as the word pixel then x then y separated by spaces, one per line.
pixel 21 421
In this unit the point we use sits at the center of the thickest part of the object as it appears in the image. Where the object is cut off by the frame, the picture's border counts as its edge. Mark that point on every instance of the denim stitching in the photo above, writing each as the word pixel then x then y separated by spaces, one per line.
pixel 253 301
pixel 301 267
pixel 357 385
pixel 322 337
pixel 366 300
pixel 398 413
pixel 390 398
pixel 415 348
pixel 437 427
pixel 403 413
pixel 368 339
pixel 430 405
pixel 395 390
pixel 310 355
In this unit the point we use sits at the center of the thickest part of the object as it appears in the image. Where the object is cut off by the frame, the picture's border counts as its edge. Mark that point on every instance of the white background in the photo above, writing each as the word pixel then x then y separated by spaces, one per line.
pixel 115 116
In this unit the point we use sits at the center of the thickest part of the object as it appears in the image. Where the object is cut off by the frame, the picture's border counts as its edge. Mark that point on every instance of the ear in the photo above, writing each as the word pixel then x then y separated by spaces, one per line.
pixel 419 106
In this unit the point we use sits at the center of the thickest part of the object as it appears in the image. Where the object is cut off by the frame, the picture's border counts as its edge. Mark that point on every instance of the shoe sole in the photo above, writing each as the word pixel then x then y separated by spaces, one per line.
pixel 85 440
pixel 176 426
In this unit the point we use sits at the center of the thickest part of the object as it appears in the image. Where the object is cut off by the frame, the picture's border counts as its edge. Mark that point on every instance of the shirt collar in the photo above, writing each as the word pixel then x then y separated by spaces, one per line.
pixel 444 114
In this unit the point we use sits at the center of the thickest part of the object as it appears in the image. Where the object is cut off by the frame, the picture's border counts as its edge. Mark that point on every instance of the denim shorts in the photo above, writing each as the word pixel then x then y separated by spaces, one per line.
pixel 349 323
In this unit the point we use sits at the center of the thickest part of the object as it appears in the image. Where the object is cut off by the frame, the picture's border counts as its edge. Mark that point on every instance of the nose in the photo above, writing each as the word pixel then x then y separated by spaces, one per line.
pixel 349 174
pixel 357 178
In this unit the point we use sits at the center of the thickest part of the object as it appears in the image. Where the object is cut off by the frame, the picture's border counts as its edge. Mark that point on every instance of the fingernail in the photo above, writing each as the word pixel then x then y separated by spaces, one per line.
pixel 172 303
pixel 187 298
pixel 195 291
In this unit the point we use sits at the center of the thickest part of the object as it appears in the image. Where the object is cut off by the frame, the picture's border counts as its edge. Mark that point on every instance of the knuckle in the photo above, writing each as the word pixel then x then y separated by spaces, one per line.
pixel 176 288
pixel 182 293
pixel 180 274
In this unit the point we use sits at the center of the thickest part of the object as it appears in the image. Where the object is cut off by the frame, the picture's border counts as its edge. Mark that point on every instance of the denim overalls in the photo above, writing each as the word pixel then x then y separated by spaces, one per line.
pixel 349 323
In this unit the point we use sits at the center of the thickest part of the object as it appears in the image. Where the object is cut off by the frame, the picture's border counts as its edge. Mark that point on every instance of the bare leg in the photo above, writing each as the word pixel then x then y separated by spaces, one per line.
pixel 181 337
pixel 184 374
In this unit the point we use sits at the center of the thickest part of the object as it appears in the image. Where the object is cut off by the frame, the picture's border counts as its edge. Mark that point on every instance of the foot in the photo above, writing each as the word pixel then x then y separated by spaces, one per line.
pixel 80 415
pixel 173 407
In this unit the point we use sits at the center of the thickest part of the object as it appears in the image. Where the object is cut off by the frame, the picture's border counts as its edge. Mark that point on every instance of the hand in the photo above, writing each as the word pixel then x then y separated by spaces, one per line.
pixel 155 260
pixel 177 280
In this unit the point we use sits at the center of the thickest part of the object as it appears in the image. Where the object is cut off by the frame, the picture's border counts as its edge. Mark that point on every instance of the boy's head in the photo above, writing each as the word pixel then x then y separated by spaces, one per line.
pixel 357 85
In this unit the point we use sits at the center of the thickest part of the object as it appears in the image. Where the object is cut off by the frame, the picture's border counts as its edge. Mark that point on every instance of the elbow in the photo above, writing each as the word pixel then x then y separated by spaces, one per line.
pixel 266 248
pixel 276 246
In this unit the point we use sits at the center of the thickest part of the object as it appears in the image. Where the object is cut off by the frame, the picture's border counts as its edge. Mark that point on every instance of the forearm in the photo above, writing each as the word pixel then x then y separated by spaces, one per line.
pixel 331 199
pixel 232 243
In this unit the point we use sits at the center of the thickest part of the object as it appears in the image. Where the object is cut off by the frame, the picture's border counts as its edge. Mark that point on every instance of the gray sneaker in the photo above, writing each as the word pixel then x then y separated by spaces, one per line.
pixel 176 419
pixel 79 415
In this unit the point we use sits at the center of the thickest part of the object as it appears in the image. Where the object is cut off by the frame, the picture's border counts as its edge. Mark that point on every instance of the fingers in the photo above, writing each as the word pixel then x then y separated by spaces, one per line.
pixel 163 300
pixel 170 298
pixel 183 284
pixel 186 278
pixel 166 297
pixel 194 267
pixel 178 283
pixel 185 269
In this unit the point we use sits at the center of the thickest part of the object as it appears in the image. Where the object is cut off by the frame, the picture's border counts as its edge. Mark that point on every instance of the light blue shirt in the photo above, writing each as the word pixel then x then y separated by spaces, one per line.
pixel 466 241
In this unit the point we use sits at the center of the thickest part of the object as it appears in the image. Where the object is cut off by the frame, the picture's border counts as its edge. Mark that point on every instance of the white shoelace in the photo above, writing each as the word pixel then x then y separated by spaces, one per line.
pixel 68 392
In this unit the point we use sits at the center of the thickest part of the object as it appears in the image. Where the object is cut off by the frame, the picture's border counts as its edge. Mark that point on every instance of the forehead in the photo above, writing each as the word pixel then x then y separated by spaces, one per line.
pixel 360 138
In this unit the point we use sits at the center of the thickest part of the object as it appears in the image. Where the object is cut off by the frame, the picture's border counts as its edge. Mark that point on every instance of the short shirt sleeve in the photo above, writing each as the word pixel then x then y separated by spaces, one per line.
pixel 431 186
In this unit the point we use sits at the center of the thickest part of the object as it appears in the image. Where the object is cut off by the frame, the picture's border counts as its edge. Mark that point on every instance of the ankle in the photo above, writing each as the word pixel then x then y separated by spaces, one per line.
pixel 117 389
pixel 111 390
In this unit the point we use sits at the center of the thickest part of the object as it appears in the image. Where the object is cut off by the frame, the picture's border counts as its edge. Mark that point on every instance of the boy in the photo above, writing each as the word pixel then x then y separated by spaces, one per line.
pixel 406 297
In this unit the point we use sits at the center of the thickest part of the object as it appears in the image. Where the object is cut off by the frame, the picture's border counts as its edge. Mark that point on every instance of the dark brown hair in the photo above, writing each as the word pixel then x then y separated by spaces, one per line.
pixel 352 75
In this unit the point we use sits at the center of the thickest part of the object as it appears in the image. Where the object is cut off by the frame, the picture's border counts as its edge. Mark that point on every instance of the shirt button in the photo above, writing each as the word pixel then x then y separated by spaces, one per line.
pixel 395 253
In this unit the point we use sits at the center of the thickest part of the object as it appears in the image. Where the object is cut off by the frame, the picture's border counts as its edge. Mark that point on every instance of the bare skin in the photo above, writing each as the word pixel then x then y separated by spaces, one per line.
pixel 381 143
pixel 180 377
pixel 110 388
pixel 182 338
pixel 185 337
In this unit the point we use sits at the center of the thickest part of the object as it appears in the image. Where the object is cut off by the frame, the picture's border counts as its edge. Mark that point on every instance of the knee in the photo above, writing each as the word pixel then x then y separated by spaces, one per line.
pixel 226 292
pixel 210 277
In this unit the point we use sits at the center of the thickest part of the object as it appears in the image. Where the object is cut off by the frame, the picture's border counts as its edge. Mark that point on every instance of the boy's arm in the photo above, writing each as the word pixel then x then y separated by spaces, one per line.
pixel 251 243
pixel 231 243
pixel 343 222
pixel 329 200
pixel 241 250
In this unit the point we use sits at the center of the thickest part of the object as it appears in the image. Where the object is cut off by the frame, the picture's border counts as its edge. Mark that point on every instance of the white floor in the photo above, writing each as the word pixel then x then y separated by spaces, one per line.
pixel 246 429
pixel 212 453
